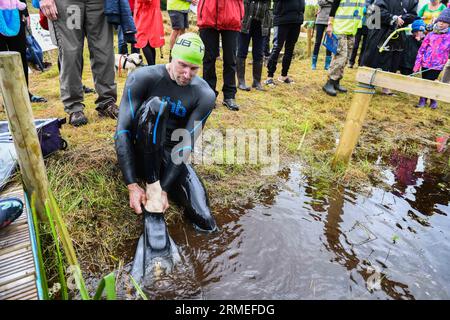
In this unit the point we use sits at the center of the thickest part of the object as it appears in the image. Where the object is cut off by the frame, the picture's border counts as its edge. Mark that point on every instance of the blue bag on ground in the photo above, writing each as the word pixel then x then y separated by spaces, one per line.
pixel 331 43
pixel 35 54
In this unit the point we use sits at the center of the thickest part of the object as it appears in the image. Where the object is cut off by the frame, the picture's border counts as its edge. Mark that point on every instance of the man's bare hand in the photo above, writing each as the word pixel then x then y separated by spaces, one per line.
pixel 165 201
pixel 137 197
pixel 48 8
pixel 400 21
pixel 194 2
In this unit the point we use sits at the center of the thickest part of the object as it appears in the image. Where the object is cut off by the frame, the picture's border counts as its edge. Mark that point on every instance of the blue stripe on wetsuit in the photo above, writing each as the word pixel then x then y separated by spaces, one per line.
pixel 120 132
pixel 201 122
pixel 161 108
pixel 131 103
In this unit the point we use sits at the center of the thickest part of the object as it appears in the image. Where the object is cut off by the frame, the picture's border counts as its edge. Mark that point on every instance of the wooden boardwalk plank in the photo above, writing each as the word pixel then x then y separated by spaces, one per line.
pixel 18 289
pixel 17 269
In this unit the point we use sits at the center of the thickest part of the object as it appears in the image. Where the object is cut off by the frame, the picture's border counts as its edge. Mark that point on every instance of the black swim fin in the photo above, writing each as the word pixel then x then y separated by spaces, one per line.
pixel 156 252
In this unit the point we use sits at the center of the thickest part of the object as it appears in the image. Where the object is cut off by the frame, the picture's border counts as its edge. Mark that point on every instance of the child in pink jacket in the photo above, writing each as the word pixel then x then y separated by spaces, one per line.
pixel 433 53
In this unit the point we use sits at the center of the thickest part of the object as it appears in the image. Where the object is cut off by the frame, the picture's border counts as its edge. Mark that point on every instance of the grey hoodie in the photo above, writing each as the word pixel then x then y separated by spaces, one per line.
pixel 325 8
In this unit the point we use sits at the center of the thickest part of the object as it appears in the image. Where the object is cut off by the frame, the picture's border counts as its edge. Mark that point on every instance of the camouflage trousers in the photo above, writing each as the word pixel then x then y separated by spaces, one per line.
pixel 344 50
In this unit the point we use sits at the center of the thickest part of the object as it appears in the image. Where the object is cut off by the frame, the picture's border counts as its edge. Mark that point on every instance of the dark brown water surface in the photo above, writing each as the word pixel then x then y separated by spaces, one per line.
pixel 314 240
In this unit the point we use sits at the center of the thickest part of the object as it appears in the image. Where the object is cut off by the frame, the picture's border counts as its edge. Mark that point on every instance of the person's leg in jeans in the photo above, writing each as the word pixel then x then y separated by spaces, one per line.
pixel 257 53
pixel 229 47
pixel 320 32
pixel 210 38
pixel 123 47
pixel 291 40
pixel 243 43
pixel 150 54
pixel 70 42
pixel 280 33
pixel 100 41
pixel 320 28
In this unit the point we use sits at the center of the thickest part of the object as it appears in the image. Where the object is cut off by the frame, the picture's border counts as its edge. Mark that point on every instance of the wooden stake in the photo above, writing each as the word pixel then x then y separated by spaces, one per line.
pixel 309 32
pixel 21 124
pixel 352 127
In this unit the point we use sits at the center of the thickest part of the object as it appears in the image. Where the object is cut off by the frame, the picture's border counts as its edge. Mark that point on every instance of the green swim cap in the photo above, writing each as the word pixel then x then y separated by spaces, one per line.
pixel 189 48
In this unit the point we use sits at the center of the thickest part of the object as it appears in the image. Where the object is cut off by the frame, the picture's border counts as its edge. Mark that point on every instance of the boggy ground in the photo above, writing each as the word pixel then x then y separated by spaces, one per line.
pixel 87 181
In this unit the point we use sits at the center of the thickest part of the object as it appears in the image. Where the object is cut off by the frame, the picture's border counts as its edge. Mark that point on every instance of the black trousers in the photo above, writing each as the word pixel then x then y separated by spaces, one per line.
pixel 255 35
pixel 17 43
pixel 210 38
pixel 361 34
pixel 430 74
pixel 152 159
pixel 406 71
pixel 285 36
pixel 150 54
pixel 320 31
pixel 388 61
pixel 266 41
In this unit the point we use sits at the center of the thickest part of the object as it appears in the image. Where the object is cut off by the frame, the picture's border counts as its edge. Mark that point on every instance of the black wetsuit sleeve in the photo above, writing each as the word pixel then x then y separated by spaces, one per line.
pixel 134 94
pixel 196 122
pixel 334 7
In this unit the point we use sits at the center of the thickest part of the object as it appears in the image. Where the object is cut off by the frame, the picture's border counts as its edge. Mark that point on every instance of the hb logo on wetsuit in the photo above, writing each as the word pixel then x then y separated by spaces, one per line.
pixel 175 108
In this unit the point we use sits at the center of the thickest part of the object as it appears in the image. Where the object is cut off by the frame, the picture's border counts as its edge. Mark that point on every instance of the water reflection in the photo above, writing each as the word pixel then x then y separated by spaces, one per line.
pixel 304 238
pixel 348 257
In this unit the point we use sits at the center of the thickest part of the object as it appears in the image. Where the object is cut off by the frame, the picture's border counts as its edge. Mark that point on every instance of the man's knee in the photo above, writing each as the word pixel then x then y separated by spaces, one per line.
pixel 202 219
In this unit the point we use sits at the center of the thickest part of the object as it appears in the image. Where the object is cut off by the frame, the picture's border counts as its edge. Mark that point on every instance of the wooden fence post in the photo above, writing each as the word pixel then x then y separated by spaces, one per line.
pixel 352 127
pixel 21 124
pixel 309 32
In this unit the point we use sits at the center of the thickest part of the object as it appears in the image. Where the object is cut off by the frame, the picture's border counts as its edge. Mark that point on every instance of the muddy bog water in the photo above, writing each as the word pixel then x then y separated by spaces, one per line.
pixel 312 240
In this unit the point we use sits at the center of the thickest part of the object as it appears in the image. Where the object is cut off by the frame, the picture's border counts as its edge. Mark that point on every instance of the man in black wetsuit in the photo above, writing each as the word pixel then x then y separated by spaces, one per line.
pixel 158 100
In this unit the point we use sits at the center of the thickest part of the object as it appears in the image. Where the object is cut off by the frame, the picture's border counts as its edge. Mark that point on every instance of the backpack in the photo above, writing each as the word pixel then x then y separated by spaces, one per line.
pixel 35 54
